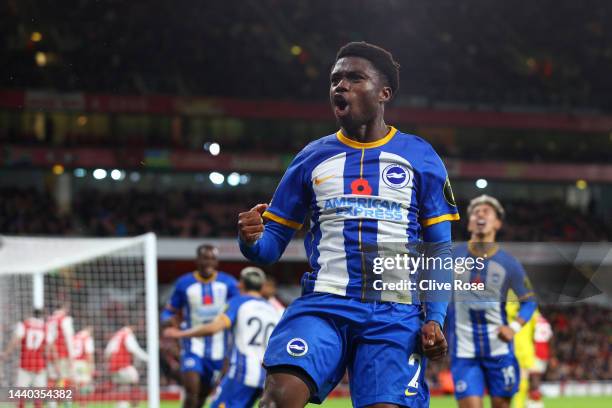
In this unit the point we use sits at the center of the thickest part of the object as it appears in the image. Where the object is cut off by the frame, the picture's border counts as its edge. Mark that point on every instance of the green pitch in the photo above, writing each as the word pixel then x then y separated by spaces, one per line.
pixel 449 402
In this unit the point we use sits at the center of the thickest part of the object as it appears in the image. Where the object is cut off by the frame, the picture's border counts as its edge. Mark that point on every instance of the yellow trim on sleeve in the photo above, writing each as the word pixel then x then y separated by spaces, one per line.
pixel 281 220
pixel 226 320
pixel 359 145
pixel 446 217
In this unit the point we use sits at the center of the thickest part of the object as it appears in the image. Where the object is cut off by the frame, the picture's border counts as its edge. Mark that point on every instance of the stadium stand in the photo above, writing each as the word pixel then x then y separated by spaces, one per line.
pixel 447 50
pixel 201 214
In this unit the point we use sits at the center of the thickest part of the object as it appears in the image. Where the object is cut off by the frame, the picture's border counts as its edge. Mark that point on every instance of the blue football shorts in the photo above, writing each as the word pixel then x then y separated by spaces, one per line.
pixel 500 375
pixel 234 394
pixel 379 343
pixel 209 370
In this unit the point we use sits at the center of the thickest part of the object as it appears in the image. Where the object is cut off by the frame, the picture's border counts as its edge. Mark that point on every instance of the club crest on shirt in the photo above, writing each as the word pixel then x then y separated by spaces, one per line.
pixel 448 193
pixel 297 347
pixel 396 176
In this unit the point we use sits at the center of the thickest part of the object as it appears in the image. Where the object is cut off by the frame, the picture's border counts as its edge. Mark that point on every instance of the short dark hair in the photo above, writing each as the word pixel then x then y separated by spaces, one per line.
pixel 204 247
pixel 379 57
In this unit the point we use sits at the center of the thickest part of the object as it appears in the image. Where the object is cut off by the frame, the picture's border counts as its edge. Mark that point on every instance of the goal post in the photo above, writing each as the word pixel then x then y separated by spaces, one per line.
pixel 104 284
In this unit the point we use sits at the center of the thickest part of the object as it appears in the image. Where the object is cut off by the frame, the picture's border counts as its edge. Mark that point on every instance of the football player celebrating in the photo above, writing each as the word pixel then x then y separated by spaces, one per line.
pixel 482 350
pixel 365 185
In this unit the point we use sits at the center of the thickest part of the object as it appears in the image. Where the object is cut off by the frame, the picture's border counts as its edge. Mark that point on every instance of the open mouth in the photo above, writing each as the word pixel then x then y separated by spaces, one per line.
pixel 340 104
pixel 481 223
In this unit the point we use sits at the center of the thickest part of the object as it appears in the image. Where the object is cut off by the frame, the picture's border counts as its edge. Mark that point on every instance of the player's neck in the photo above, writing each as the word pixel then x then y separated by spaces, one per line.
pixel 482 245
pixel 253 293
pixel 368 132
pixel 482 238
pixel 199 276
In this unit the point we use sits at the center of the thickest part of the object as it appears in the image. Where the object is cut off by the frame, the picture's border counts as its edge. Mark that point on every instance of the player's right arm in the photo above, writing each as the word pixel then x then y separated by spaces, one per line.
pixel 223 321
pixel 171 315
pixel 220 323
pixel 264 244
pixel 131 344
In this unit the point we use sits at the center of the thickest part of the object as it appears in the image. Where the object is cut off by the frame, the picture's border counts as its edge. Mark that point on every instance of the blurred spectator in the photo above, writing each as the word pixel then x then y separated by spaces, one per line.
pixel 549 220
pixel 203 214
pixel 581 343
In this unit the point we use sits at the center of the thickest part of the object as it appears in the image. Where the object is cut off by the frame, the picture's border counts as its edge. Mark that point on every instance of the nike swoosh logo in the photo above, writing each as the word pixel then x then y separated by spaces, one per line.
pixel 410 394
pixel 321 180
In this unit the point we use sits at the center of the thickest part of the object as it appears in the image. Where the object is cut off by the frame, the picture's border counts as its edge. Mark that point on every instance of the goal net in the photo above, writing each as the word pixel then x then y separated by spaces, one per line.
pixel 60 295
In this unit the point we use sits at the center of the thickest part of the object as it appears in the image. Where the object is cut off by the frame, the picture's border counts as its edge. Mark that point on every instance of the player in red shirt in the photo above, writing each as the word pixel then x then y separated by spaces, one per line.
pixel 541 341
pixel 120 353
pixel 31 337
pixel 83 344
pixel 60 329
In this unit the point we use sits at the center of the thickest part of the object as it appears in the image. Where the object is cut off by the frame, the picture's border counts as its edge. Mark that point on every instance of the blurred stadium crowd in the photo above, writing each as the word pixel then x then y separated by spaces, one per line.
pixel 582 342
pixel 447 48
pixel 201 214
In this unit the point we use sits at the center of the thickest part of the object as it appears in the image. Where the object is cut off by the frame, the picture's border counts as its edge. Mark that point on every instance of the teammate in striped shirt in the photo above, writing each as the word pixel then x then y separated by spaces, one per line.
pixel 367 187
pixel 481 336
pixel 251 318
pixel 31 339
pixel 198 298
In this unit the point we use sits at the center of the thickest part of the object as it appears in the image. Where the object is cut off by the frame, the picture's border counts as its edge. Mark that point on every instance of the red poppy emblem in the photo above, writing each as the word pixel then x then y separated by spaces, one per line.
pixel 361 187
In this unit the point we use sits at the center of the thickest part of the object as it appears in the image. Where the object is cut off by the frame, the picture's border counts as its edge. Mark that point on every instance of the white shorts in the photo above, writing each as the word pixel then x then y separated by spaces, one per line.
pixel 82 372
pixel 539 366
pixel 127 375
pixel 28 379
pixel 60 369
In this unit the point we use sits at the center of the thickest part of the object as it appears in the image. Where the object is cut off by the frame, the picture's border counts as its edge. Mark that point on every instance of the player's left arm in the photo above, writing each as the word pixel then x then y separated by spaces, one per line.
pixel 68 331
pixel 520 284
pixel 437 209
pixel 437 239
pixel 89 351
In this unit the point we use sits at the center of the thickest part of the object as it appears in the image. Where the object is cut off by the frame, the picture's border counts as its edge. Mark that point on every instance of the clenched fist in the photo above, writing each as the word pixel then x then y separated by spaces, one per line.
pixel 250 224
pixel 432 341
